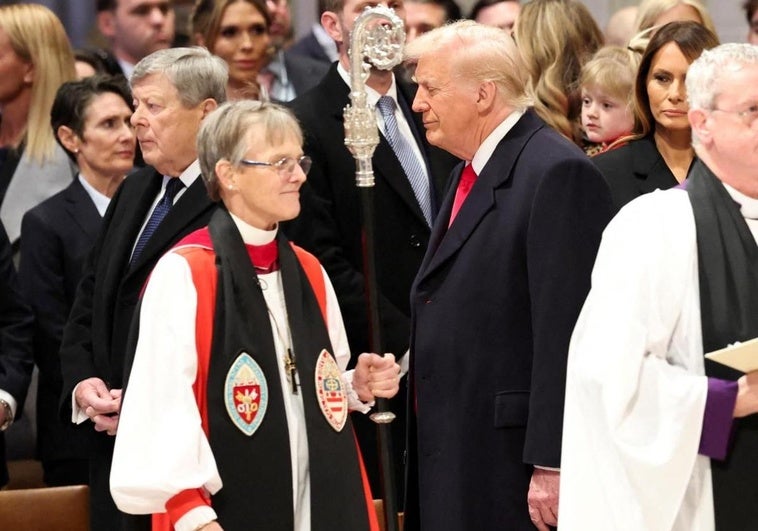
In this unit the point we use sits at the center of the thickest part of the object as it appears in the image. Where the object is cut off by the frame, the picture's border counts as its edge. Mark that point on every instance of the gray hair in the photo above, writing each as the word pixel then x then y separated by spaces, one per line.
pixel 195 72
pixel 704 73
pixel 482 53
pixel 224 134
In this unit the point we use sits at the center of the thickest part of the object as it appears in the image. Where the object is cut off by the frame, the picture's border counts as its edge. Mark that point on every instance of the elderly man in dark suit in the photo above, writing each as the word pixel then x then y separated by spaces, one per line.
pixel 154 208
pixel 16 361
pixel 330 221
pixel 498 293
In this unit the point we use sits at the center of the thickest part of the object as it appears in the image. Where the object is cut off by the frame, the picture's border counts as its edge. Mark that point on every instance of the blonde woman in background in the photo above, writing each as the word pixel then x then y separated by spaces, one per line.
pixel 237 31
pixel 36 60
pixel 556 37
pixel 653 13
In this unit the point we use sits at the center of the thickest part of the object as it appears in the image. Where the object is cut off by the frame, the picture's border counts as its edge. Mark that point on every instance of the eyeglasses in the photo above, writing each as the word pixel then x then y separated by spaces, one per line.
pixel 748 116
pixel 284 167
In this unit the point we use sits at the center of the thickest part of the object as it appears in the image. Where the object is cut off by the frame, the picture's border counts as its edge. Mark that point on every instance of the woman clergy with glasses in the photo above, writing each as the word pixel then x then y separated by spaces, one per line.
pixel 235 414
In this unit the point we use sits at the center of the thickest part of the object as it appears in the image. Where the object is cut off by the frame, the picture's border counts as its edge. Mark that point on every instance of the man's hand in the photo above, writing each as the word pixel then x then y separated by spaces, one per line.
pixel 747 395
pixel 99 403
pixel 376 376
pixel 543 498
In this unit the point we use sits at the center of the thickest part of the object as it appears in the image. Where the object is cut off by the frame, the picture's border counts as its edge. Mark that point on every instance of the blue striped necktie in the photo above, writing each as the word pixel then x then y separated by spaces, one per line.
pixel 161 209
pixel 404 152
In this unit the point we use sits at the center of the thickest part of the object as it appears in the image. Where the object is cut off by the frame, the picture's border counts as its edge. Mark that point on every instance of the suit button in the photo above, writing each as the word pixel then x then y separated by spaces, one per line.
pixel 414 241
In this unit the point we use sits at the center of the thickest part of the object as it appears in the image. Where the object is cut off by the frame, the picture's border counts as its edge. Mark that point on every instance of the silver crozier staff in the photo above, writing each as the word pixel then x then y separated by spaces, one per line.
pixel 377 39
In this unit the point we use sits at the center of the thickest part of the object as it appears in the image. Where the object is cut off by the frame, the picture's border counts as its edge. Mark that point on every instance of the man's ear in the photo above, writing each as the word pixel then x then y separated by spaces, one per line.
pixel 486 95
pixel 331 23
pixel 209 105
pixel 700 124
pixel 68 138
pixel 106 24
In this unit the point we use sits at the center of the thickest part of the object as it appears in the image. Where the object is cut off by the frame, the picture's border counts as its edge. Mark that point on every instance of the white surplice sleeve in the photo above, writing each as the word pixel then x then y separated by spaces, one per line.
pixel 160 447
pixel 636 389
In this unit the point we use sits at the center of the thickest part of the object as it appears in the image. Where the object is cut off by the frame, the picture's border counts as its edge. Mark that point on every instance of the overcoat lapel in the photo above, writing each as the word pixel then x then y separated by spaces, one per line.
pixel 191 204
pixel 445 243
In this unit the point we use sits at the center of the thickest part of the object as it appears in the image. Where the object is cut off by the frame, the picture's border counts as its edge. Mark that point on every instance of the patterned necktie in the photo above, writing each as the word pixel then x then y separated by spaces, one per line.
pixel 468 177
pixel 161 209
pixel 413 169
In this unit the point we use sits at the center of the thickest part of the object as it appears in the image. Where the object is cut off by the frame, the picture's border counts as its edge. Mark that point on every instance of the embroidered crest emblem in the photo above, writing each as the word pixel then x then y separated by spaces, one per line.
pixel 330 391
pixel 246 394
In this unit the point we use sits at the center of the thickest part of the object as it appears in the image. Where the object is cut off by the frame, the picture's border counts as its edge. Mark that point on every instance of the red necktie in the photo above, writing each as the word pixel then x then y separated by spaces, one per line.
pixel 468 177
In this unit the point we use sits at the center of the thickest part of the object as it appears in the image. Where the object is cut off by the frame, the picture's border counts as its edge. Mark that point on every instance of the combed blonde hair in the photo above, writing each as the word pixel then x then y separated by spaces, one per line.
pixel 556 38
pixel 482 53
pixel 650 10
pixel 38 37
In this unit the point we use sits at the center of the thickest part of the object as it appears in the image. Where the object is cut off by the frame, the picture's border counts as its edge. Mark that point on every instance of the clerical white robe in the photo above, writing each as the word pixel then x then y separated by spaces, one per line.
pixel 636 387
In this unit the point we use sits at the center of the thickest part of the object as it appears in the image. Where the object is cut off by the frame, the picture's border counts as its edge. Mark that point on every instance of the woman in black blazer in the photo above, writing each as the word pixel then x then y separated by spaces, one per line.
pixel 659 153
pixel 90 119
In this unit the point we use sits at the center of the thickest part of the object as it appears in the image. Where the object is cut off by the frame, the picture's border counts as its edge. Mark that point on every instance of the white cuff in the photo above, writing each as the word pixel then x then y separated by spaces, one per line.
pixel 194 518
pixel 4 395
pixel 77 414
pixel 354 403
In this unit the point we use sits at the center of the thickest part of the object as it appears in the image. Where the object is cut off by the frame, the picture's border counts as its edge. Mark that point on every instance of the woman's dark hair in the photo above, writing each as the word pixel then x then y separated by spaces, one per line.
pixel 691 38
pixel 74 97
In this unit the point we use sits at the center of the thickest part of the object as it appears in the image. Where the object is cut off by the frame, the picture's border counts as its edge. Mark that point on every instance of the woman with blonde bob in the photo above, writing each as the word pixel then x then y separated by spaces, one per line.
pixel 655 13
pixel 556 37
pixel 37 60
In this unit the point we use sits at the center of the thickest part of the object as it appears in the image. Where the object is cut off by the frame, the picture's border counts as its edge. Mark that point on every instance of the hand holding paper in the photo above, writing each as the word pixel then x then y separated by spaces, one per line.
pixel 741 356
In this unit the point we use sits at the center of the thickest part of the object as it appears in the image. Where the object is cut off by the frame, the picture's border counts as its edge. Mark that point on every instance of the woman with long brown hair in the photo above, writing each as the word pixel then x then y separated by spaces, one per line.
pixel 659 153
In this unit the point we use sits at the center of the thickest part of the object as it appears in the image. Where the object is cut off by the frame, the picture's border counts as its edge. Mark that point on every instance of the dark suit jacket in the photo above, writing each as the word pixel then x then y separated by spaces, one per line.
pixel 308 46
pixel 95 337
pixel 330 226
pixel 58 235
pixel 634 169
pixel 304 73
pixel 16 328
pixel 494 305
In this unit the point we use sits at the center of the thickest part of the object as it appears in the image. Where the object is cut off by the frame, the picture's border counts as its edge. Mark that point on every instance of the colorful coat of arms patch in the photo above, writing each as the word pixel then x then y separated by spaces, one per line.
pixel 246 394
pixel 330 391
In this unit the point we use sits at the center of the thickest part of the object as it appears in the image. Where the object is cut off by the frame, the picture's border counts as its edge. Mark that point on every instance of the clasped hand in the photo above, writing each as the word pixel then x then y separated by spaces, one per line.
pixel 376 376
pixel 100 404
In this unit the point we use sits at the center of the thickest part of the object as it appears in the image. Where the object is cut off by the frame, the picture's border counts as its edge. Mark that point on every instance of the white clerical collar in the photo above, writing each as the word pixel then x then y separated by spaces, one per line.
pixel 252 235
pixel 372 96
pixel 748 205
pixel 485 151
pixel 100 200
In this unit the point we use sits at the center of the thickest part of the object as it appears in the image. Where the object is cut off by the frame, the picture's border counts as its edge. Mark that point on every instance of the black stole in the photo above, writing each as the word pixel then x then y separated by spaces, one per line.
pixel 728 278
pixel 257 471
